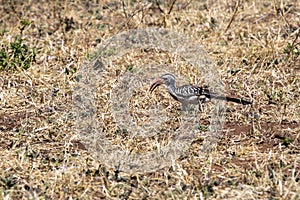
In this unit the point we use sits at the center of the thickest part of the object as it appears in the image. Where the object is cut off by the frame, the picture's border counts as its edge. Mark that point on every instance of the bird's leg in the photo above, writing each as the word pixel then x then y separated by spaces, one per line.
pixel 184 106
pixel 189 111
pixel 200 106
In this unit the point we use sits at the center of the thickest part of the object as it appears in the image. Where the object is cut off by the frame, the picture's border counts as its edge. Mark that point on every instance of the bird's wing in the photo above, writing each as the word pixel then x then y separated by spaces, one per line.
pixel 188 91
pixel 203 93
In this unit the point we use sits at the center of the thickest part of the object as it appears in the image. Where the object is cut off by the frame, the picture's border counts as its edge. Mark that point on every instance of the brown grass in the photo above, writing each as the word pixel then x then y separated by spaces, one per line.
pixel 258 156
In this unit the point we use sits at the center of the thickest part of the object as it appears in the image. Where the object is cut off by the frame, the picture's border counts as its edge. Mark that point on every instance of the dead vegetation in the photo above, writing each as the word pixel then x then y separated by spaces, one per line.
pixel 256 47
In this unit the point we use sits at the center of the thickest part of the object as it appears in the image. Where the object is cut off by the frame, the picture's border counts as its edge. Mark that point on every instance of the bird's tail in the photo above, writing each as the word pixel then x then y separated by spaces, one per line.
pixel 231 99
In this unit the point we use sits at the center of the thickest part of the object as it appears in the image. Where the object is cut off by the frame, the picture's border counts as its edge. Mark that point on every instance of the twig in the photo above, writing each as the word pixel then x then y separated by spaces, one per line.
pixel 172 6
pixel 131 15
pixel 158 6
pixel 295 40
pixel 280 11
pixel 275 6
pixel 124 10
pixel 186 4
pixel 233 16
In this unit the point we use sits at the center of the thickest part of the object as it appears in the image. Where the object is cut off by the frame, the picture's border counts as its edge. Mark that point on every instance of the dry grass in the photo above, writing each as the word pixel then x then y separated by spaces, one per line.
pixel 256 47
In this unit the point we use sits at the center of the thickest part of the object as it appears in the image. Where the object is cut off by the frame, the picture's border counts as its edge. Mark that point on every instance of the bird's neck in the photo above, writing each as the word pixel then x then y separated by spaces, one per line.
pixel 171 88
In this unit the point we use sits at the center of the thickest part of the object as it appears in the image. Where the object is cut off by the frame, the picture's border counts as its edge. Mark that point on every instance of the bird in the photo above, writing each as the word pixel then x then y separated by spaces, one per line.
pixel 189 94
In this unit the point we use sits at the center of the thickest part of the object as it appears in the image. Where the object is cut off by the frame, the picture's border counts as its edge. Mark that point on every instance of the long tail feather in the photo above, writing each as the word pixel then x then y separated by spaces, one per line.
pixel 231 99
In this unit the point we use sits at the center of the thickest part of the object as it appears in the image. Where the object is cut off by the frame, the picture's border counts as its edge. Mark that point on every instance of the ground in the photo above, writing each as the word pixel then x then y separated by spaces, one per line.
pixel 255 46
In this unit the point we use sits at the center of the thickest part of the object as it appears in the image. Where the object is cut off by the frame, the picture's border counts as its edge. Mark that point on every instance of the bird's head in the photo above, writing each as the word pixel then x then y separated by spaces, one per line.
pixel 167 79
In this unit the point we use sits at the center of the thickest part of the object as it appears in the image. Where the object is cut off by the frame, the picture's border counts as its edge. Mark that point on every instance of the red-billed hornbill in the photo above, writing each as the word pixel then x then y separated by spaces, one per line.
pixel 189 94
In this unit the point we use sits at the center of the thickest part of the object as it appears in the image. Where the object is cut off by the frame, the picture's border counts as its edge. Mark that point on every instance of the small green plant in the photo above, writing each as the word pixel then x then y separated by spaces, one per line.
pixel 292 49
pixel 8 182
pixel 130 67
pixel 286 141
pixel 202 127
pixel 17 54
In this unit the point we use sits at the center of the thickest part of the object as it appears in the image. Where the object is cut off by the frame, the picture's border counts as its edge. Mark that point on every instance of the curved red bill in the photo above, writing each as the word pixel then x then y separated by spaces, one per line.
pixel 155 85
